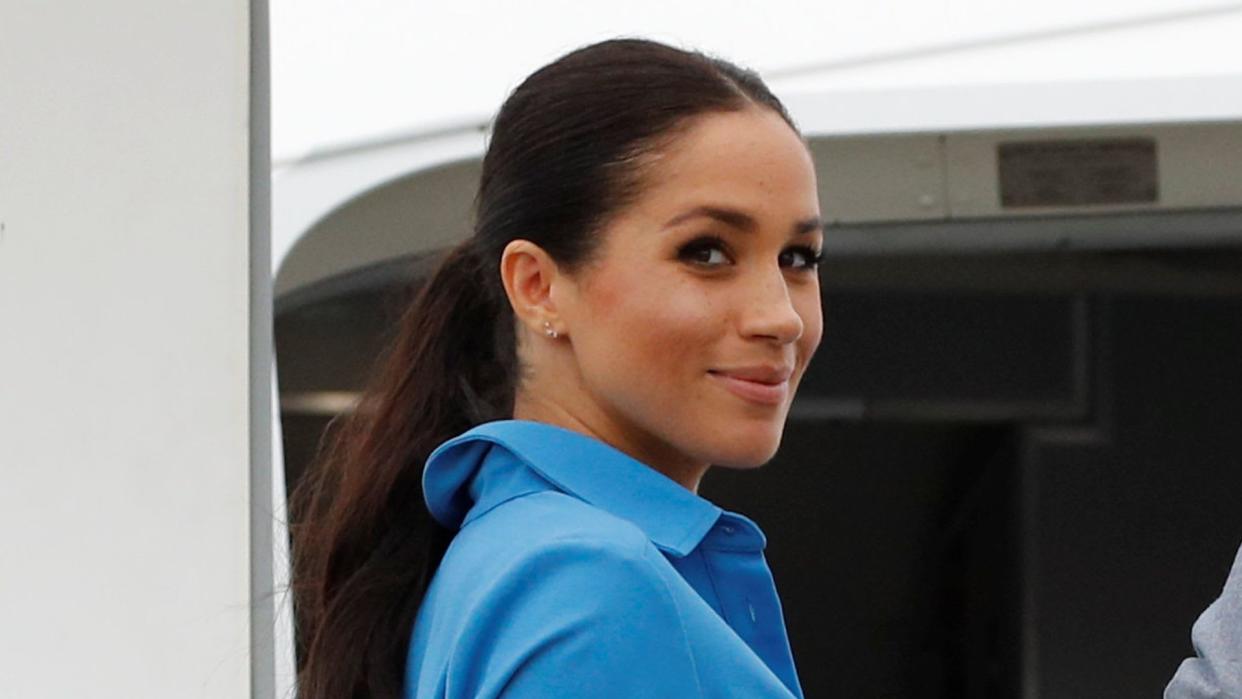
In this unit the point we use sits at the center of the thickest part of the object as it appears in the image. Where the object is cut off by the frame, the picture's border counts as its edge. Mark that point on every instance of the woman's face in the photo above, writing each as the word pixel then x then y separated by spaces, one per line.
pixel 692 327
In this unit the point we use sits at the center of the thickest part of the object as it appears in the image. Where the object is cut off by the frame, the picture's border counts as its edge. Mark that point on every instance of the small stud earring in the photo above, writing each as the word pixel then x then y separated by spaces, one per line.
pixel 547 329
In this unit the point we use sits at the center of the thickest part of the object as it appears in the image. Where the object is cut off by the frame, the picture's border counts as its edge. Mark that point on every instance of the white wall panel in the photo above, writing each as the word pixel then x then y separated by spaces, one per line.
pixel 125 332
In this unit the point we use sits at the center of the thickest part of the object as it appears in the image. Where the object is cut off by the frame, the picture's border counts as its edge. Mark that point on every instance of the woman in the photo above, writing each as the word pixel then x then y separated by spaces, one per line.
pixel 639 301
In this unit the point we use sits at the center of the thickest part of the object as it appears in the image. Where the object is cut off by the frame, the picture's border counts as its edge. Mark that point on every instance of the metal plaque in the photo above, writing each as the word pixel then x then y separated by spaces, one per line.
pixel 1078 172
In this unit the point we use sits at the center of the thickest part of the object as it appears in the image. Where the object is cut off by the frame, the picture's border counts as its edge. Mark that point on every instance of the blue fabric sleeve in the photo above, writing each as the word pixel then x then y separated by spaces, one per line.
pixel 1216 671
pixel 579 618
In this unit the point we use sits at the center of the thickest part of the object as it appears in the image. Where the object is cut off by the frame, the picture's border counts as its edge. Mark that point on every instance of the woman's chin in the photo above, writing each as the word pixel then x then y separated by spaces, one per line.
pixel 747 449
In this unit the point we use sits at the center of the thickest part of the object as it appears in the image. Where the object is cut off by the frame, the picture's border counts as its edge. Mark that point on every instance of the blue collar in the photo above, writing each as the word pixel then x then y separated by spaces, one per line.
pixel 675 519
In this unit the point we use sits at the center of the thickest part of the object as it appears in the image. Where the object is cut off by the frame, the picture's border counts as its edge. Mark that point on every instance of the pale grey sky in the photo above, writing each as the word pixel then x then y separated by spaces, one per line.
pixel 349 70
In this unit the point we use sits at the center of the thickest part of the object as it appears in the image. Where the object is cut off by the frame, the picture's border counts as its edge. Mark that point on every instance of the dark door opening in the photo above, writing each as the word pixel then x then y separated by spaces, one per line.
pixel 1005 475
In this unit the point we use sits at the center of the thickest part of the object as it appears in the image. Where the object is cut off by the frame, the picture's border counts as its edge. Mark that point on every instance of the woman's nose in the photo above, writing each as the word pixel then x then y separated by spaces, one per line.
pixel 770 310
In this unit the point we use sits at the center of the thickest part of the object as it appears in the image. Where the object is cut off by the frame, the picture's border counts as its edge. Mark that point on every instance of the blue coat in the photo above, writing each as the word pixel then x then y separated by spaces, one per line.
pixel 581 572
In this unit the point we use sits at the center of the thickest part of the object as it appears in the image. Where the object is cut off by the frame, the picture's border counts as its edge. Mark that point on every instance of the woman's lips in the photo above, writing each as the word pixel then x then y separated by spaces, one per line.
pixel 754 391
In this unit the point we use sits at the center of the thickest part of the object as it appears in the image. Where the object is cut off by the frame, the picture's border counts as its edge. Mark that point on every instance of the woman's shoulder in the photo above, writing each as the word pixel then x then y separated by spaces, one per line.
pixel 549 525
pixel 549 555
pixel 546 595
pixel 545 561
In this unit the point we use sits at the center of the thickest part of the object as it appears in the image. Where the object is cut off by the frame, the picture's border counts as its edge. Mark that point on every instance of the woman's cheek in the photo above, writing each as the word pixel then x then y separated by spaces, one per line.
pixel 687 320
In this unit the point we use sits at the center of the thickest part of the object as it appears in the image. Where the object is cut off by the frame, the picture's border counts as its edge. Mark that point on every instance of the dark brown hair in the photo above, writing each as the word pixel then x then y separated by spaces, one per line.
pixel 566 151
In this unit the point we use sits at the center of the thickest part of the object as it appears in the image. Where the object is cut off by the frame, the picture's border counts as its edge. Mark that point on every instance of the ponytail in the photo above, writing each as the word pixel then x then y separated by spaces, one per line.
pixel 364 546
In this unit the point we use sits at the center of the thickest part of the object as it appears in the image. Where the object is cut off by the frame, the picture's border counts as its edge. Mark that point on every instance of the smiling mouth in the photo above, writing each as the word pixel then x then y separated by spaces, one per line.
pixel 769 392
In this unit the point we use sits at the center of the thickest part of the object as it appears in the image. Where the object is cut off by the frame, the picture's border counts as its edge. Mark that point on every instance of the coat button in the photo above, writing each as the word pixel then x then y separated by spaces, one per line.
pixel 727 529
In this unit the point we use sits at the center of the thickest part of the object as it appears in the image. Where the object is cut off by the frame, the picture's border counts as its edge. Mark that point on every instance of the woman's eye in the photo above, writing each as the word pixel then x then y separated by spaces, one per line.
pixel 706 253
pixel 801 257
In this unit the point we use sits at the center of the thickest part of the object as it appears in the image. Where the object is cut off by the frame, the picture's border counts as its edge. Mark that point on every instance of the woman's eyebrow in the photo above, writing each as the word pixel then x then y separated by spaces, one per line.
pixel 741 220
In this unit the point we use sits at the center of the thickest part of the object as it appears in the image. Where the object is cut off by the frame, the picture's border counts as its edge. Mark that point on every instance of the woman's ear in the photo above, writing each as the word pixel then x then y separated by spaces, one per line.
pixel 530 277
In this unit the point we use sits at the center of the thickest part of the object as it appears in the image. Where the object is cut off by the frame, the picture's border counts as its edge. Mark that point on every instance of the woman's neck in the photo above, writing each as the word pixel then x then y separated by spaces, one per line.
pixel 595 423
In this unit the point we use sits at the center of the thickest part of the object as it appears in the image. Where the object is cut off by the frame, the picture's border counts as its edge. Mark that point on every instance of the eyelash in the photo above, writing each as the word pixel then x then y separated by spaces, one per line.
pixel 714 242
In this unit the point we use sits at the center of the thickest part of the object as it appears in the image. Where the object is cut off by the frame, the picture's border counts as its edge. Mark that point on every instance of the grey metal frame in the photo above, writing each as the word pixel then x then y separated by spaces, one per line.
pixel 262 592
